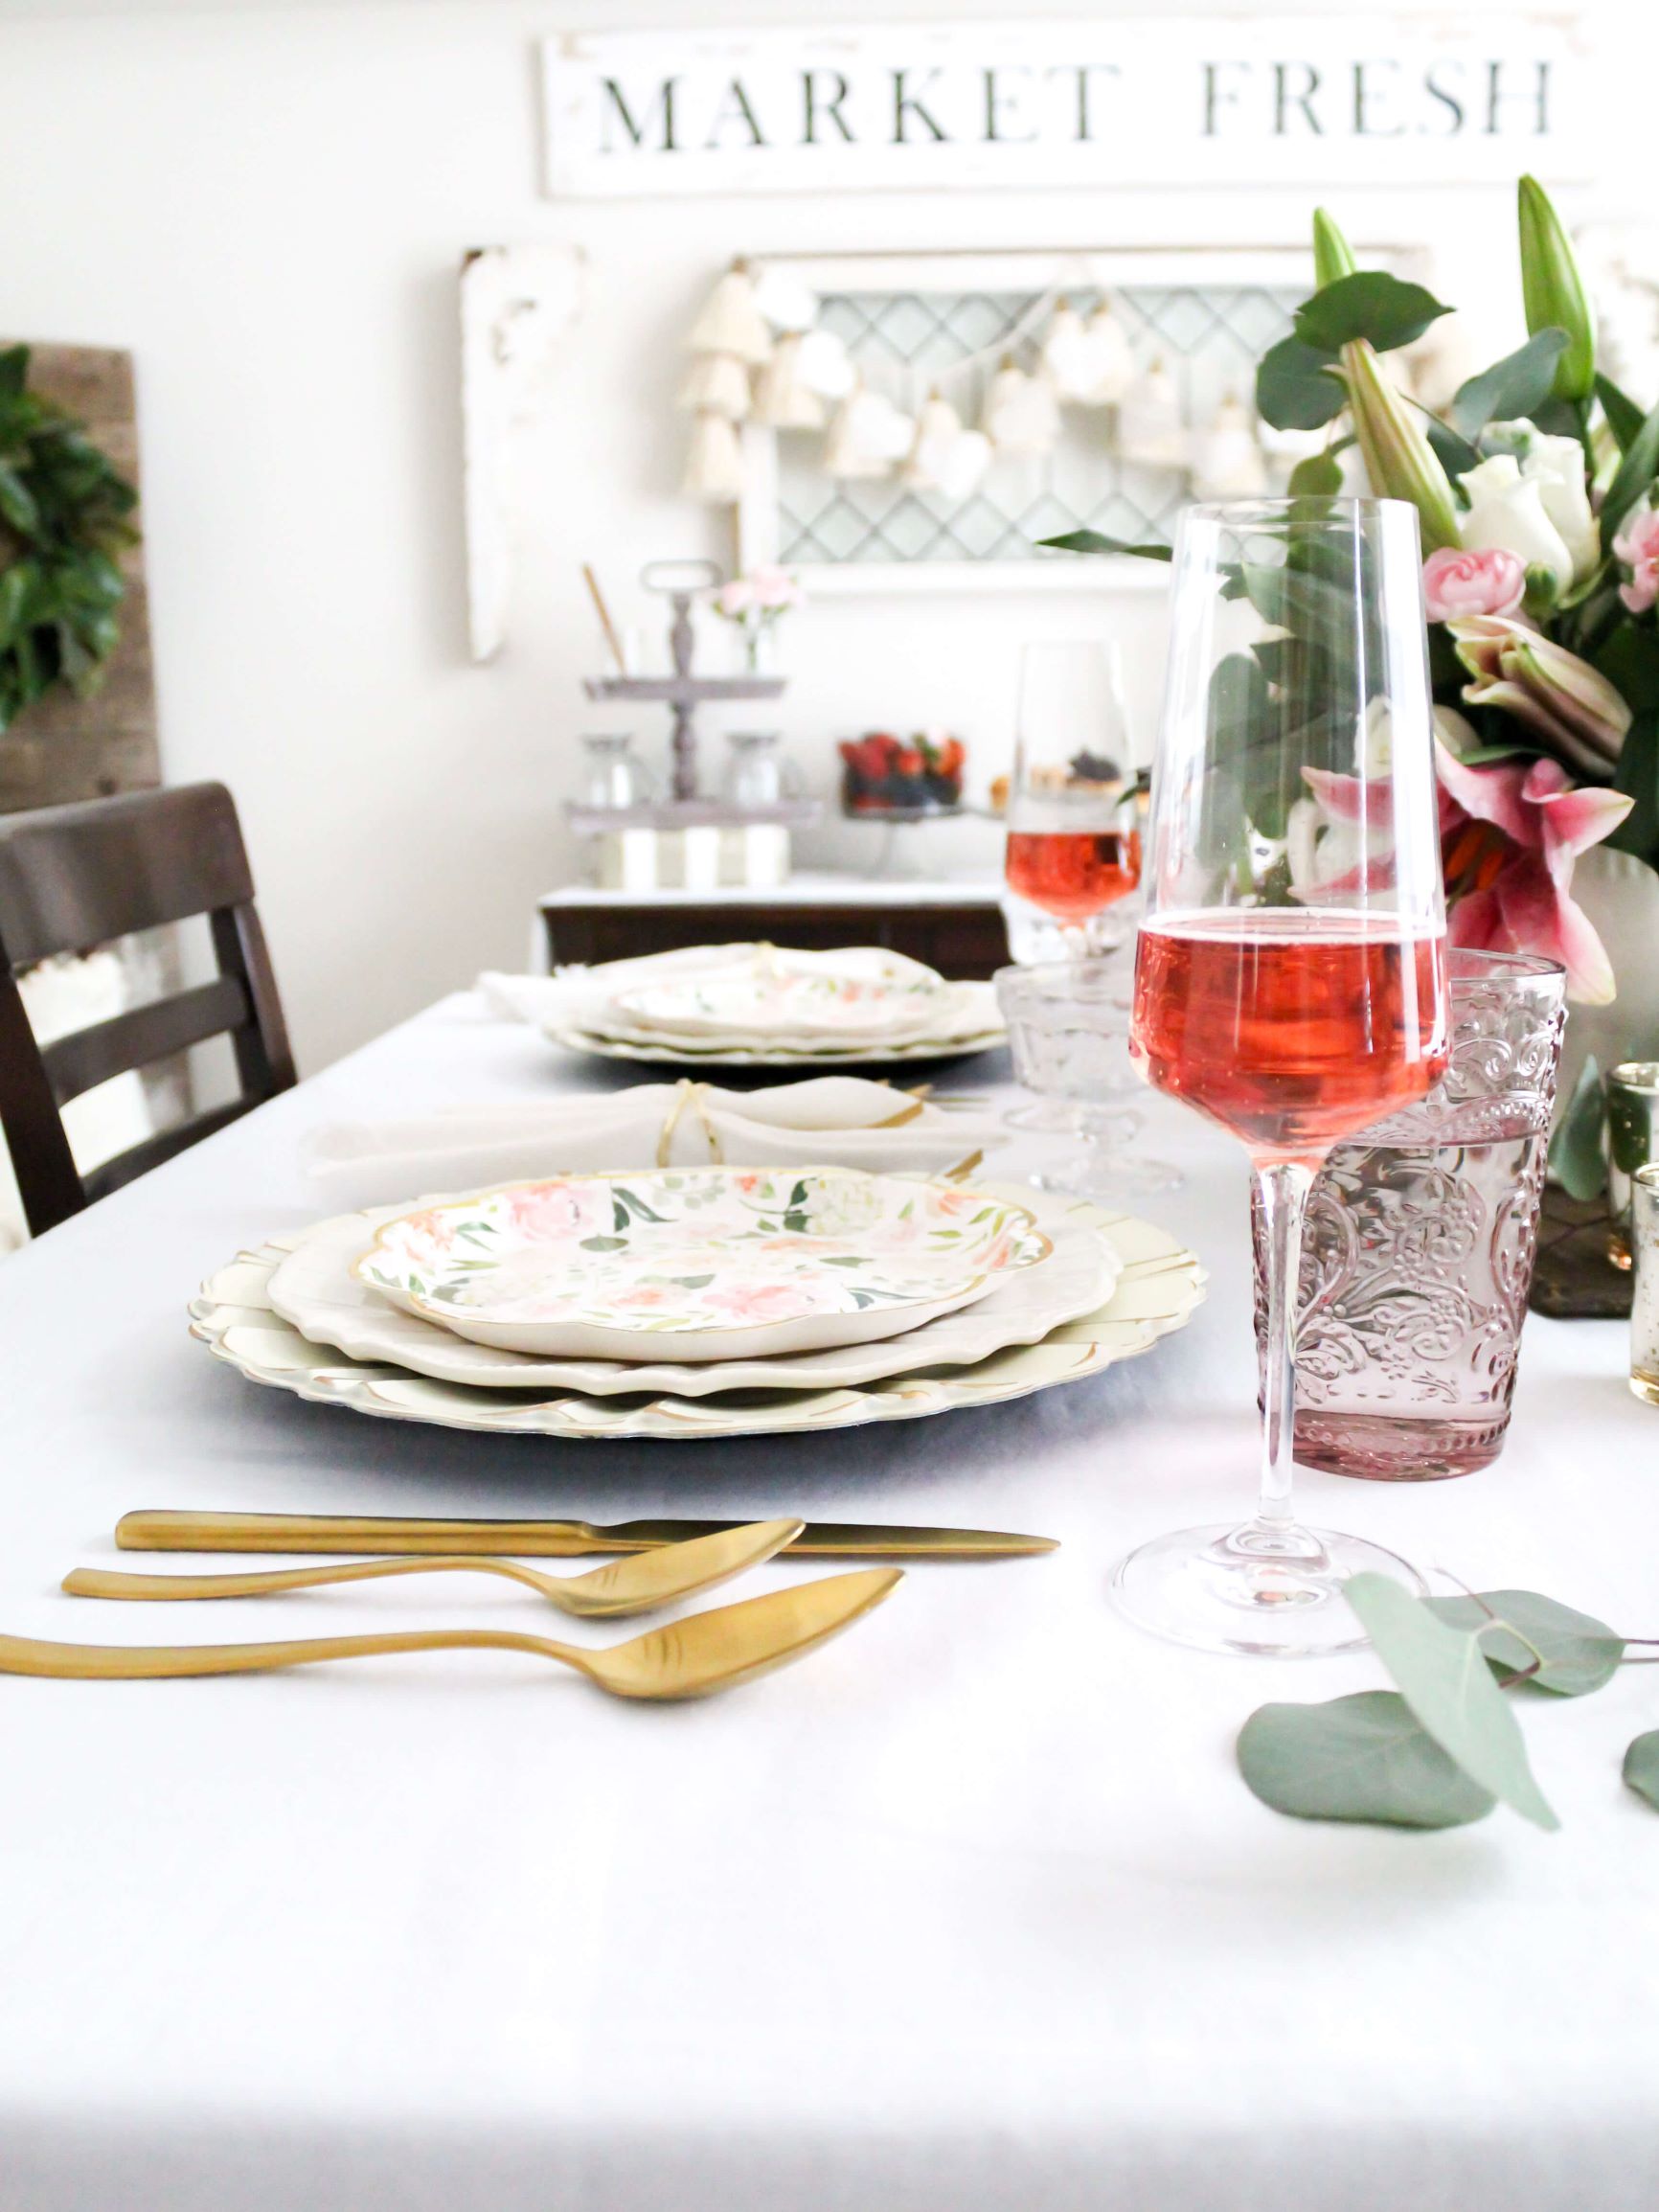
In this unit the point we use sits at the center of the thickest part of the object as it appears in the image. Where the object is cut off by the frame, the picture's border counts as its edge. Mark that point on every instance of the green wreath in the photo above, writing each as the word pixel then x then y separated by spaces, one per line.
pixel 63 510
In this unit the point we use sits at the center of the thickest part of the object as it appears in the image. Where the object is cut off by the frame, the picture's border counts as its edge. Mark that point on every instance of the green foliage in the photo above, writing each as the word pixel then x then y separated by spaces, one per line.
pixel 1092 542
pixel 1575 1158
pixel 1297 386
pixel 1364 1757
pixel 1443 1675
pixel 1535 1638
pixel 1510 388
pixel 64 521
pixel 1636 472
pixel 1321 474
pixel 1640 1767
pixel 1370 305
pixel 1624 415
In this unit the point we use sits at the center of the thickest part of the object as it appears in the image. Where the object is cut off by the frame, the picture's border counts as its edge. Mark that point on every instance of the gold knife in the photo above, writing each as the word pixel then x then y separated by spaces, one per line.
pixel 186 1531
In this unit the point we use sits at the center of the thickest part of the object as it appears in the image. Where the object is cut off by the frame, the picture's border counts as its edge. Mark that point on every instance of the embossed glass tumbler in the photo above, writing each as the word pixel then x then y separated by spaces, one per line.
pixel 1417 1248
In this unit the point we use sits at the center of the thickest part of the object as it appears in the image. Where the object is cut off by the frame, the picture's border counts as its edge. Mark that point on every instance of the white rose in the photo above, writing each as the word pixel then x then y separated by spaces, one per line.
pixel 1507 511
pixel 1558 466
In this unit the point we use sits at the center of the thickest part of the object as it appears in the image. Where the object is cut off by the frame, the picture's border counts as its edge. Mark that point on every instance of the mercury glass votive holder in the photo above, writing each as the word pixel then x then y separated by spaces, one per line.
pixel 1419 1245
pixel 1645 1262
pixel 1632 1142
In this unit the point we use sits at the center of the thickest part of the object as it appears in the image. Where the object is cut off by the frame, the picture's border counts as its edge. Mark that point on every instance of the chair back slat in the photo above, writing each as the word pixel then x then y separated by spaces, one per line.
pixel 127 1166
pixel 73 878
pixel 76 878
pixel 144 1034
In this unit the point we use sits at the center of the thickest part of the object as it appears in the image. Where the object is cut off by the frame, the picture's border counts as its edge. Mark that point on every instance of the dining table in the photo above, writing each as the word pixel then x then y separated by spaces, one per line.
pixel 969 1911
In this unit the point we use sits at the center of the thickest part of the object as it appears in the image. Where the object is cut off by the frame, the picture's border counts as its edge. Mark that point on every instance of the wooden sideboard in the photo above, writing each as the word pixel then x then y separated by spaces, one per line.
pixel 955 927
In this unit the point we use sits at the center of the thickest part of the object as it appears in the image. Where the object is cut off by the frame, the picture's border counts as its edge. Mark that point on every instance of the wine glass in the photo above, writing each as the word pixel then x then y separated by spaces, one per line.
pixel 1074 842
pixel 1290 973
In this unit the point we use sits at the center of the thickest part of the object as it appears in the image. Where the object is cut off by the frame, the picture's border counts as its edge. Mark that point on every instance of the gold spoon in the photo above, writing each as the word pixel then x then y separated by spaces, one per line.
pixel 705 1652
pixel 628 1586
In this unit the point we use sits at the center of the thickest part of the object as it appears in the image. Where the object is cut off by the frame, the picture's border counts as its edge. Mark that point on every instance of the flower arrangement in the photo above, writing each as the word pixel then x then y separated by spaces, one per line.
pixel 1537 495
pixel 756 603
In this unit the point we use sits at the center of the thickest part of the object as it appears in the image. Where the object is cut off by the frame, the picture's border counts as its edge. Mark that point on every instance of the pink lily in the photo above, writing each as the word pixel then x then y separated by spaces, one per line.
pixel 1509 833
pixel 1568 705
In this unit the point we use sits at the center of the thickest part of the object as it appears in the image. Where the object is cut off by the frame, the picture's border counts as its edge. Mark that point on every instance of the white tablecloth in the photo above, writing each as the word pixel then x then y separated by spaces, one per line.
pixel 968 1913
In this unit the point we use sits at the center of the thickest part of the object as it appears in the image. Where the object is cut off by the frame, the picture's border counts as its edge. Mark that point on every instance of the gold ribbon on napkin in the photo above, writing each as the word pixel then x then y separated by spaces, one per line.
pixel 689 1098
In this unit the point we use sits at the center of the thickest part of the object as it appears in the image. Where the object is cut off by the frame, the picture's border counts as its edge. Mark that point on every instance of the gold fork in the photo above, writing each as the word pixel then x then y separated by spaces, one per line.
pixel 688 1658
pixel 628 1585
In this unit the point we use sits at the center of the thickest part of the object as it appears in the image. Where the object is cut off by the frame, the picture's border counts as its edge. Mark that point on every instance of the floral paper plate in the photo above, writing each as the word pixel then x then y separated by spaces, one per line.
pixel 857 997
pixel 1157 1292
pixel 315 1290
pixel 707 1263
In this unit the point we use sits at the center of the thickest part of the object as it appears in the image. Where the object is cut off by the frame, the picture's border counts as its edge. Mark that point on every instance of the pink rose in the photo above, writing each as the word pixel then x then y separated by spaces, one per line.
pixel 1637 546
pixel 1454 583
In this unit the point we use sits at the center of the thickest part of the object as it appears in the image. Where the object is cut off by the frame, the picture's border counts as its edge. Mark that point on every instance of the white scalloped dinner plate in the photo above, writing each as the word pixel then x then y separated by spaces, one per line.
pixel 314 1290
pixel 1159 1287
pixel 665 1053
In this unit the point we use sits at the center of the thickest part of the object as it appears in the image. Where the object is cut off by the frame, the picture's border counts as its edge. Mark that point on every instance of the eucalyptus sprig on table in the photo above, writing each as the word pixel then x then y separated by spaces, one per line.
pixel 1444 1746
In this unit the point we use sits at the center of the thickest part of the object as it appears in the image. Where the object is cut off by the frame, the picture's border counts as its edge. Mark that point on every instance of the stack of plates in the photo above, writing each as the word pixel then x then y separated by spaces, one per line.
pixel 758 1006
pixel 697 1302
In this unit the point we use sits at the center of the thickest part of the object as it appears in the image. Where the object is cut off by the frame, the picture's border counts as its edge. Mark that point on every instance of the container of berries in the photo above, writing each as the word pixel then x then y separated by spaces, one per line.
pixel 881 774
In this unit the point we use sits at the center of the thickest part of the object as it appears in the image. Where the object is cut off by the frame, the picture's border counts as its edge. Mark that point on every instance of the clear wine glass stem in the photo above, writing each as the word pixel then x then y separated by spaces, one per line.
pixel 1283 1189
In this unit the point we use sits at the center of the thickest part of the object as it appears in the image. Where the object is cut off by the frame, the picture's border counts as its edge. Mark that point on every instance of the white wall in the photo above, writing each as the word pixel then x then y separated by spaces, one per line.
pixel 268 204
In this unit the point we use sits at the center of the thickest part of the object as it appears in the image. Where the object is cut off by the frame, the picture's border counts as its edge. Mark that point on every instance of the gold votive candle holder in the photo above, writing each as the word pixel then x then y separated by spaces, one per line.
pixel 1645 1258
pixel 1632 1143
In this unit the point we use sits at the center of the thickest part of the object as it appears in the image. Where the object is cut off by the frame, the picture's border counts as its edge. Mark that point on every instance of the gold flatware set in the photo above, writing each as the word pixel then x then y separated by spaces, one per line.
pixel 663 1561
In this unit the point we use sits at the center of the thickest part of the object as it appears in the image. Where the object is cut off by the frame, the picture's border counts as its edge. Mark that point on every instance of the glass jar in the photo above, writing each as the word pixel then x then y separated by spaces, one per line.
pixel 613 778
pixel 755 774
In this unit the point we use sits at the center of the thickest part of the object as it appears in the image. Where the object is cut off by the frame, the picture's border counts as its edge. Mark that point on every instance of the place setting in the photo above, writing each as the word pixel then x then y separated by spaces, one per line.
pixel 828 1111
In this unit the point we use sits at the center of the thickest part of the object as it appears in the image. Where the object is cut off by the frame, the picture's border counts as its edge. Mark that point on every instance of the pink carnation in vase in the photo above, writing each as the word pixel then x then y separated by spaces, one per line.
pixel 1510 832
pixel 1489 582
pixel 1637 546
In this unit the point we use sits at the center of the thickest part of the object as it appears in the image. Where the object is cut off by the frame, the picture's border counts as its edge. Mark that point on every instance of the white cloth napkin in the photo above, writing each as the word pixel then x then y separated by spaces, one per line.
pixel 833 1120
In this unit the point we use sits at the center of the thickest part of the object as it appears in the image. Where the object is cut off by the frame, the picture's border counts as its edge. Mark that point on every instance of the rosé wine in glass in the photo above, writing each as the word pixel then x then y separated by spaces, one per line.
pixel 1071 874
pixel 1292 1028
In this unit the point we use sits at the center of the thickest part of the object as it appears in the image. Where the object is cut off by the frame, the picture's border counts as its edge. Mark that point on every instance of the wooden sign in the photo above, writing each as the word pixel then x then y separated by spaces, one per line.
pixel 1172 101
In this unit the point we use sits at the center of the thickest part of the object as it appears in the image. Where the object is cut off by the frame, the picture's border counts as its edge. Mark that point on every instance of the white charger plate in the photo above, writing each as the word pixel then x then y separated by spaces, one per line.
pixel 314 1288
pixel 665 1052
pixel 708 1262
pixel 1158 1287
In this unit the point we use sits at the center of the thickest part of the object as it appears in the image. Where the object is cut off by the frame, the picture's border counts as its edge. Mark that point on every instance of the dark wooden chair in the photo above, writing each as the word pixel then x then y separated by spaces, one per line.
pixel 76 878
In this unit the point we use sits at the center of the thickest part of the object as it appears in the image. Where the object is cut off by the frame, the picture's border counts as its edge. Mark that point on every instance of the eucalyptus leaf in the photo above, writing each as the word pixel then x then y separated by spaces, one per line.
pixel 1576 1158
pixel 1579 1653
pixel 1454 452
pixel 1443 1675
pixel 1371 304
pixel 1297 386
pixel 1510 388
pixel 1640 1767
pixel 1092 542
pixel 1319 473
pixel 1635 474
pixel 1624 415
pixel 1364 1757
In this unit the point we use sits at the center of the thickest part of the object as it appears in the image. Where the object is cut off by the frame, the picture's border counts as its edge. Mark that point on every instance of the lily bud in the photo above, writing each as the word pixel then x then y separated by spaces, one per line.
pixel 1332 255
pixel 1554 292
pixel 1398 458
pixel 1570 705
